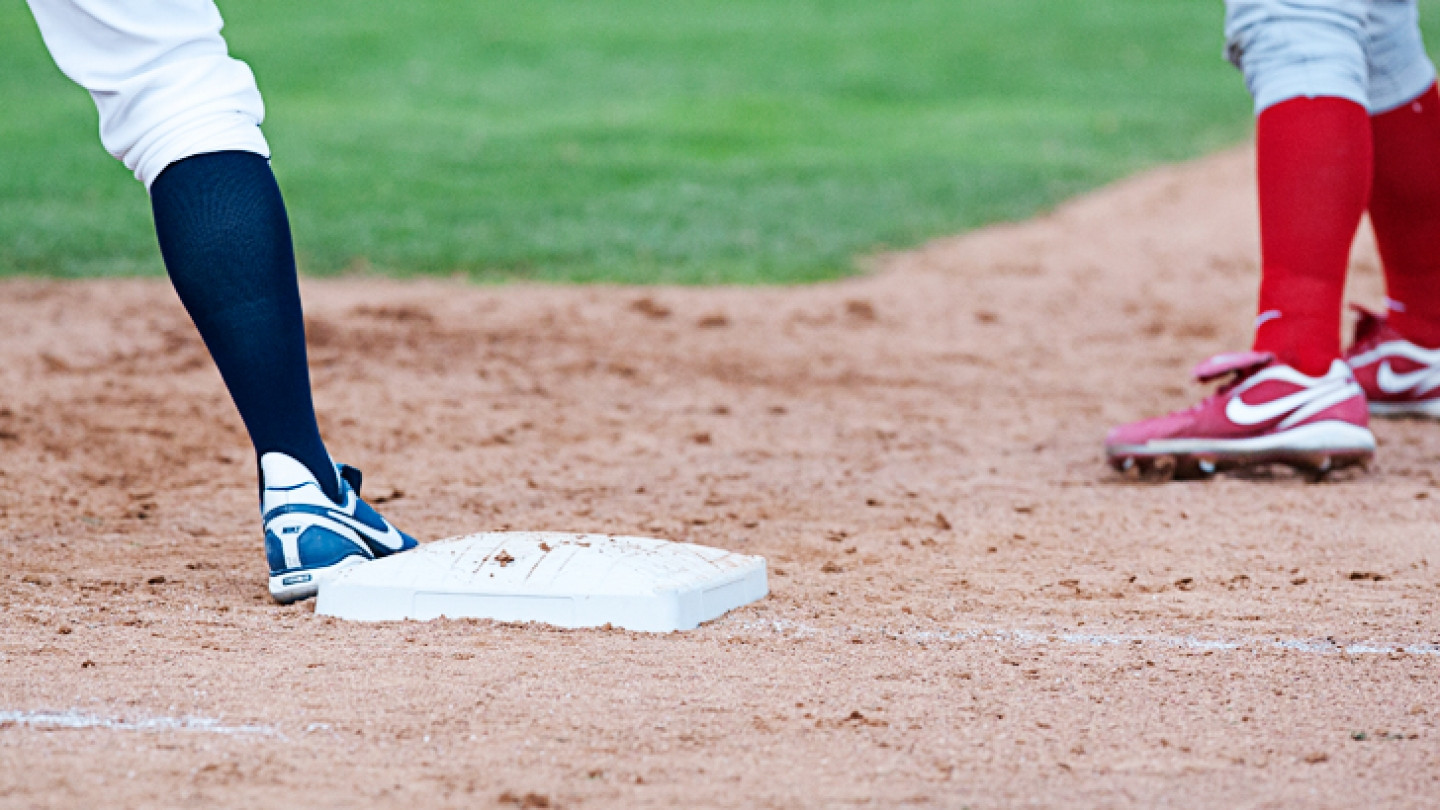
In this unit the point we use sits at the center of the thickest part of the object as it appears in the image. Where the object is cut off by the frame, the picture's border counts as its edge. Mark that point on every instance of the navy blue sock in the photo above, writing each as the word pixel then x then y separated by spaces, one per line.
pixel 226 242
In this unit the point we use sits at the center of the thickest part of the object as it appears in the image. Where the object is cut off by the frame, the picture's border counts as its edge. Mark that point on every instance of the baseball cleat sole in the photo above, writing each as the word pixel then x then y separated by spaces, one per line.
pixel 1429 408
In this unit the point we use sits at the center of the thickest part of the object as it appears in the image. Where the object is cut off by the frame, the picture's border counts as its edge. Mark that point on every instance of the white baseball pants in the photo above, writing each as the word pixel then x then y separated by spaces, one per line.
pixel 161 77
pixel 1367 51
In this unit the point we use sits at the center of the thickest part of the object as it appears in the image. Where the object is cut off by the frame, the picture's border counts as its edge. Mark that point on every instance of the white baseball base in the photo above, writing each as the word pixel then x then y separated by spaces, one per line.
pixel 567 580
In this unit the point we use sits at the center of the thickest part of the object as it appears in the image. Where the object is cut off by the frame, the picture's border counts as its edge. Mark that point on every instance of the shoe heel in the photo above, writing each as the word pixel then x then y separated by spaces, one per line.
pixel 293 586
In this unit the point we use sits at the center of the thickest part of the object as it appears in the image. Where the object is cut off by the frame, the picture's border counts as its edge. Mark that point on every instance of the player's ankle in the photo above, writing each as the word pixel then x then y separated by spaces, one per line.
pixel 1310 361
pixel 1307 344
pixel 1422 331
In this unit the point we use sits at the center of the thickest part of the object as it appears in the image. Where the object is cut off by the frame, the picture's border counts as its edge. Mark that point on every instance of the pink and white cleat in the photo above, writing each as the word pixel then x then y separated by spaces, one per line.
pixel 1267 412
pixel 1399 377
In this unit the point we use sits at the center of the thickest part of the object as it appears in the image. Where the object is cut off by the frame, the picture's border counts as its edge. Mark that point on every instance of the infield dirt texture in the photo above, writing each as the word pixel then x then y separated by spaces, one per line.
pixel 968 609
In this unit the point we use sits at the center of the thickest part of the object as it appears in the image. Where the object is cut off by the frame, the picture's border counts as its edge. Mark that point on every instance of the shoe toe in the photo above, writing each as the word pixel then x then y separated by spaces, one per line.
pixel 1123 435
pixel 1145 431
pixel 366 513
pixel 1130 434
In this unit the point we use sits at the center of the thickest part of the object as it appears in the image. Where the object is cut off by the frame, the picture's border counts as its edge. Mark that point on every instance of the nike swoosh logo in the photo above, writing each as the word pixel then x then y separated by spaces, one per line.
pixel 1393 383
pixel 390 539
pixel 1241 412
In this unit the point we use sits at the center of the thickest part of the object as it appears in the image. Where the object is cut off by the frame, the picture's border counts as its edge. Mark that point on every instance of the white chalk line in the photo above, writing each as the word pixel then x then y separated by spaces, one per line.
pixel 78 720
pixel 1027 638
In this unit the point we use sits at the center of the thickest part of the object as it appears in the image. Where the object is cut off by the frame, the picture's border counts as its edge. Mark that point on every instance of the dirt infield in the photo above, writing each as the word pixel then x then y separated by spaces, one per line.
pixel 968 609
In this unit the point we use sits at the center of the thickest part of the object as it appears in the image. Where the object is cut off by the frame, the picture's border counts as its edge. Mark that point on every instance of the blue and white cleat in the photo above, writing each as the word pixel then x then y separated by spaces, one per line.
pixel 309 537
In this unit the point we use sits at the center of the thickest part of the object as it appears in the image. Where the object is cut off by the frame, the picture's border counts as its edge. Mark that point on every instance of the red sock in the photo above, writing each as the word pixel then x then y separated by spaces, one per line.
pixel 1405 212
pixel 1314 173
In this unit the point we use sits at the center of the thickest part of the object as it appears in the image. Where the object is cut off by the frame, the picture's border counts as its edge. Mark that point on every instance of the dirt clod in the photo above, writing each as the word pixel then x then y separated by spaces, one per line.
pixel 860 309
pixel 650 308
pixel 526 801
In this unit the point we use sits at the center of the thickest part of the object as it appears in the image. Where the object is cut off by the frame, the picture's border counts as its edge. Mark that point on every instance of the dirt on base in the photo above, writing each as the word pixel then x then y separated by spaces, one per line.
pixel 967 609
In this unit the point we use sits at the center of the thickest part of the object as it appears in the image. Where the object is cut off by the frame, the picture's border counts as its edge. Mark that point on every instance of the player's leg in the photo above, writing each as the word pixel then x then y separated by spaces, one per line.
pixel 1396 356
pixel 184 116
pixel 1304 63
pixel 225 239
pixel 1291 398
pixel 226 242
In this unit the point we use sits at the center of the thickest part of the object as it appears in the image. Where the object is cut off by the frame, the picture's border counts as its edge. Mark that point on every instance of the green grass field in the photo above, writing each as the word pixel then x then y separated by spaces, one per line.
pixel 644 140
